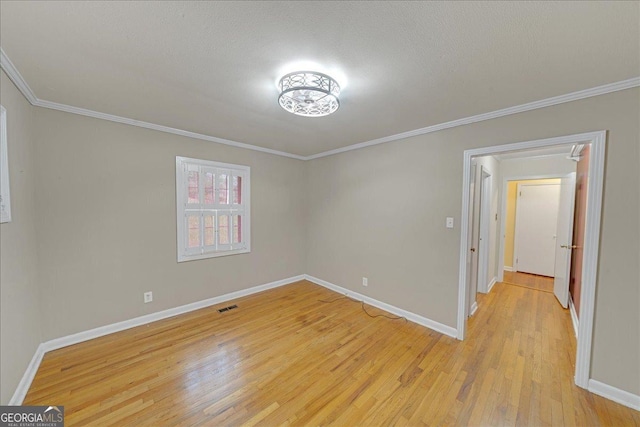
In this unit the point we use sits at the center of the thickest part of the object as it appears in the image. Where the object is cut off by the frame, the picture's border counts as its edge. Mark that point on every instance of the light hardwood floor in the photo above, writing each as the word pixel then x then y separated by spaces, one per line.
pixel 533 281
pixel 284 358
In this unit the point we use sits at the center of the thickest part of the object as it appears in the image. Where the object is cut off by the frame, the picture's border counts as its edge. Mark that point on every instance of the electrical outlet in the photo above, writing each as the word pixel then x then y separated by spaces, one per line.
pixel 148 297
pixel 449 222
pixel 365 281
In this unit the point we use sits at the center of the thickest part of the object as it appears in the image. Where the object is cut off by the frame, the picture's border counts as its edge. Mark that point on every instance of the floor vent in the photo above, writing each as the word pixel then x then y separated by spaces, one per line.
pixel 231 307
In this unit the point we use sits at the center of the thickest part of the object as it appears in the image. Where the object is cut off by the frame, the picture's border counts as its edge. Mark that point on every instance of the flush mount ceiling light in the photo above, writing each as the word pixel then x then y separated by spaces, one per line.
pixel 309 94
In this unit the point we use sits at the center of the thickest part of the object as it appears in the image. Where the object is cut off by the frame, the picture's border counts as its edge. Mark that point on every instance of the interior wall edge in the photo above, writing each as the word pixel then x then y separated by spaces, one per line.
pixel 20 315
pixel 28 376
pixel 412 317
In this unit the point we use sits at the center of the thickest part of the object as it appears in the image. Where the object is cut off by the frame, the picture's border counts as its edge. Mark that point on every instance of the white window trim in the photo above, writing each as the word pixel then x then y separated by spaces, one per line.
pixel 5 197
pixel 181 211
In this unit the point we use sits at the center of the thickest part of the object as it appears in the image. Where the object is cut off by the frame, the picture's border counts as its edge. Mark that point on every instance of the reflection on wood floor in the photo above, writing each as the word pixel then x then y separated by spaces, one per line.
pixel 285 358
pixel 533 281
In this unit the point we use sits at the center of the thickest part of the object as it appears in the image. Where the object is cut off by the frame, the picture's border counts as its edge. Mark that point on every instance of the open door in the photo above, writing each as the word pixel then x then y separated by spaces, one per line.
pixel 579 224
pixel 472 258
pixel 564 239
pixel 483 241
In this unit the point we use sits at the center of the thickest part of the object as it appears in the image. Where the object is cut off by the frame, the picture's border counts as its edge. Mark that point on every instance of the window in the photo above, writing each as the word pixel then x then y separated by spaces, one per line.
pixel 213 212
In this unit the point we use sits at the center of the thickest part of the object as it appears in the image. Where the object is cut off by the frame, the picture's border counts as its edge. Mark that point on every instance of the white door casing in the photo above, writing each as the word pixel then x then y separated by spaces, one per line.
pixel 598 142
pixel 564 239
pixel 483 243
pixel 535 233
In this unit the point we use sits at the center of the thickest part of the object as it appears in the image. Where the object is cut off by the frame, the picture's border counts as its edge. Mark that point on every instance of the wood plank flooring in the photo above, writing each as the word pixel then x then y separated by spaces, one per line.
pixel 284 358
pixel 533 281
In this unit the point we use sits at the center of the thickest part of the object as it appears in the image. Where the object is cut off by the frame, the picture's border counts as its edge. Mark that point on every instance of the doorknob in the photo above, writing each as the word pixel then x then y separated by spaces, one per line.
pixel 569 246
pixel 473 249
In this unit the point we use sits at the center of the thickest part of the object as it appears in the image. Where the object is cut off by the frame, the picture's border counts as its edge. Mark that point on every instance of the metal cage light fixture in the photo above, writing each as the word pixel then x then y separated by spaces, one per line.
pixel 309 94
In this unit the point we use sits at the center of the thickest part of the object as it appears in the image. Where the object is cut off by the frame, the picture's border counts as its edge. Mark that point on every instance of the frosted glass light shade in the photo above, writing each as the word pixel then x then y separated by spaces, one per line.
pixel 309 94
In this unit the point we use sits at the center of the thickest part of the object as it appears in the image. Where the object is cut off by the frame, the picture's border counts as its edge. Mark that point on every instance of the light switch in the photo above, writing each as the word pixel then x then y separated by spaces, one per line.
pixel 449 222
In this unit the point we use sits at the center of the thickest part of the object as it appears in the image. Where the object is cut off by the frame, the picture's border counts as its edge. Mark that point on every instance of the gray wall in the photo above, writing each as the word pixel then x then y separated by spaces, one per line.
pixel 107 222
pixel 552 165
pixel 20 318
pixel 379 212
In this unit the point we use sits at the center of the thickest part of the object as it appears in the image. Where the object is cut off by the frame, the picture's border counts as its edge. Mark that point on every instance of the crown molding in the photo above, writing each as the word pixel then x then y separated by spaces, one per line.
pixel 160 128
pixel 16 77
pixel 21 84
pixel 561 99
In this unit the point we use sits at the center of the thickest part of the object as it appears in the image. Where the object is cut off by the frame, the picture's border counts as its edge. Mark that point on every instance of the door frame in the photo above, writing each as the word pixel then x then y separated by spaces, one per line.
pixel 592 235
pixel 484 230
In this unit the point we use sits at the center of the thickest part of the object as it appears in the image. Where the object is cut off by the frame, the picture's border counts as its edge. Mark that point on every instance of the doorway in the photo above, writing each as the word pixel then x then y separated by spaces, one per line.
pixel 483 202
pixel 537 209
pixel 479 237
pixel 596 141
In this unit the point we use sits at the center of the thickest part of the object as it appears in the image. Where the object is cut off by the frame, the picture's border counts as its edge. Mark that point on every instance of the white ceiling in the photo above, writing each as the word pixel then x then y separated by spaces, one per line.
pixel 211 67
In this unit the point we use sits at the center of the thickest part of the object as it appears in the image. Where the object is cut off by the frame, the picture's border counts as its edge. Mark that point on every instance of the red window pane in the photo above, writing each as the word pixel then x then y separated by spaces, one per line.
pixel 209 230
pixel 237 190
pixel 193 225
pixel 209 179
pixel 237 229
pixel 223 229
pixel 194 194
pixel 223 189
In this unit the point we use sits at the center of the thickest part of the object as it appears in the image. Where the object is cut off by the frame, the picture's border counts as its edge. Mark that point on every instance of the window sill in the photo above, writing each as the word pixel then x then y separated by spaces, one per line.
pixel 184 258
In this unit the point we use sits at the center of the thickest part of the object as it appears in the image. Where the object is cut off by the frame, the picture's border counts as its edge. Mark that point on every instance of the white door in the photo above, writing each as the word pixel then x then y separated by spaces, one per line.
pixel 472 258
pixel 564 239
pixel 536 222
pixel 483 244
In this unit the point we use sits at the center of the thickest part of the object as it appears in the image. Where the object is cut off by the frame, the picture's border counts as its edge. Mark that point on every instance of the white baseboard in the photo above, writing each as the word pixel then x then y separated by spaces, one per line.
pixel 27 378
pixel 148 318
pixel 597 387
pixel 431 324
pixel 493 282
pixel 54 344
pixel 507 268
pixel 474 308
pixel 574 316
pixel 612 393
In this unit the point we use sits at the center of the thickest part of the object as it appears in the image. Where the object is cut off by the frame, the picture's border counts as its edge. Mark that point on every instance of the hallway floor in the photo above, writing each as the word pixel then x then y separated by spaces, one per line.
pixel 533 281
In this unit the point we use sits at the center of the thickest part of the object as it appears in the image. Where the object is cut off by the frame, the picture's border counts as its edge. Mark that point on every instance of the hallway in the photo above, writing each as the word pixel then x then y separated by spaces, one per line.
pixel 533 281
pixel 528 366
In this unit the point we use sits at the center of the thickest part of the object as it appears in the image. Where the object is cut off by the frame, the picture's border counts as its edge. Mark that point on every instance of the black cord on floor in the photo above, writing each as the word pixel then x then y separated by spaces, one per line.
pixel 363 308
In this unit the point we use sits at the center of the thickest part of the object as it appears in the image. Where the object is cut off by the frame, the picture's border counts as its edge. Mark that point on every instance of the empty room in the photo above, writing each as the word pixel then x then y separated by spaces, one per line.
pixel 319 213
